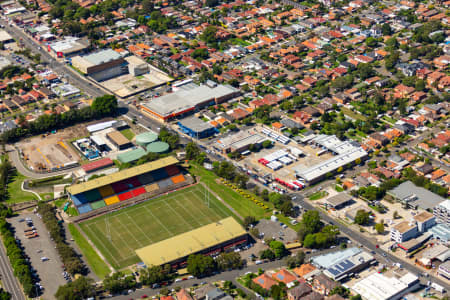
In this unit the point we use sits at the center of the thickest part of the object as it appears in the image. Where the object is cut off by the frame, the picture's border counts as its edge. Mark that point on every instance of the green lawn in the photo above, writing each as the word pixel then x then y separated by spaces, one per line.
pixel 241 204
pixel 128 133
pixel 16 195
pixel 93 259
pixel 318 195
pixel 117 235
pixel 338 188
pixel 353 114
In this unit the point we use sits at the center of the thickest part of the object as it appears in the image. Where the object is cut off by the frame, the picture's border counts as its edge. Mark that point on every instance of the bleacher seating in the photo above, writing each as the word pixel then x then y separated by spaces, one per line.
pixel 119 187
pixel 84 208
pixel 98 204
pixel 92 195
pixel 172 170
pixel 106 191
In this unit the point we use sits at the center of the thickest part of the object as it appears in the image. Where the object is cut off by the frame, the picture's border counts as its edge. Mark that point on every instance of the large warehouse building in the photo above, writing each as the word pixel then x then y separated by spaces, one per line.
pixel 101 65
pixel 149 178
pixel 186 100
pixel 208 240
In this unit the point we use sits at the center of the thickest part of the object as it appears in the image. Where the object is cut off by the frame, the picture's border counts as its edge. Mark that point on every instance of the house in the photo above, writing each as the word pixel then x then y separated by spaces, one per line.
pixel 424 169
pixel 284 276
pixel 379 139
pixel 306 271
pixel 265 281
pixel 323 284
pixel 298 292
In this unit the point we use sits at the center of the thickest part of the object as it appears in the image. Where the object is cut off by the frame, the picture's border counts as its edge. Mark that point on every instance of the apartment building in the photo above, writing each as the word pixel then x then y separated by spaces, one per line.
pixel 442 212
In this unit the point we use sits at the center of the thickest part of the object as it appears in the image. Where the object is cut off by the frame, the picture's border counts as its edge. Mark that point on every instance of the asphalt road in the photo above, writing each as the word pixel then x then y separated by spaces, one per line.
pixel 9 281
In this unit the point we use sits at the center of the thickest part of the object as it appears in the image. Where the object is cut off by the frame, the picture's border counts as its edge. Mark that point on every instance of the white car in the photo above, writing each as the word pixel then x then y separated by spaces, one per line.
pixel 178 280
pixel 44 258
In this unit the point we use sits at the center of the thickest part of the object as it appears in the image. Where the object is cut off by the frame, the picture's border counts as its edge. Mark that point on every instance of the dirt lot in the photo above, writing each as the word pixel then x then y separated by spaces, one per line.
pixel 50 271
pixel 53 150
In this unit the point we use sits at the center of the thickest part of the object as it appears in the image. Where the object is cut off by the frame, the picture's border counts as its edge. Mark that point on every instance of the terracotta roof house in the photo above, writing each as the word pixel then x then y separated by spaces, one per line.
pixel 305 271
pixel 284 276
pixel 323 284
pixel 264 281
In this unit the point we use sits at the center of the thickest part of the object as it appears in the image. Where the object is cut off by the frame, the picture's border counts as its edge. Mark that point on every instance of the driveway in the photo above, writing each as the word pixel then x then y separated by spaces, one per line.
pixel 49 271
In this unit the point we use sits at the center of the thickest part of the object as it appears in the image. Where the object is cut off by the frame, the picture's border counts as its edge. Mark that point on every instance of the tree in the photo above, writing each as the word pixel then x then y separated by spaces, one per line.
pixel 371 42
pixel 105 105
pixel 365 71
pixel 199 265
pixel 295 261
pixel 227 261
pixel 267 254
pixel 386 29
pixel 392 43
pixel 81 288
pixel 379 227
pixel 249 220
pixel 209 34
pixel 287 208
pixel 192 150
pixel 118 282
pixel 277 292
pixel 420 85
pixel 395 215
pixel 362 217
pixel 309 241
pixel 4 295
pixel 341 291
pixel 356 297
pixel 266 144
pixel 278 248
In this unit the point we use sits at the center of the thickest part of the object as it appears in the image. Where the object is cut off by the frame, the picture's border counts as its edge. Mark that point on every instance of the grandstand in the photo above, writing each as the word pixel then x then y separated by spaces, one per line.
pixel 127 184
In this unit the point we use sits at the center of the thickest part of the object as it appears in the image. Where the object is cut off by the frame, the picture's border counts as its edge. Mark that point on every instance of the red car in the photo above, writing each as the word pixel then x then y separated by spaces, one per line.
pixel 144 296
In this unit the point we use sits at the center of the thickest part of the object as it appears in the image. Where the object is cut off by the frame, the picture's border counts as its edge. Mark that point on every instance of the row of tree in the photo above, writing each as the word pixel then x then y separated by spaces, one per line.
pixel 104 106
pixel 226 170
pixel 314 234
pixel 200 265
pixel 6 170
pixel 69 257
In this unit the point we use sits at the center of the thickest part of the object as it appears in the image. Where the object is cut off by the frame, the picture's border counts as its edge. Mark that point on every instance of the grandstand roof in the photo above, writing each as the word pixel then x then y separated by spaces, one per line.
pixel 190 242
pixel 125 174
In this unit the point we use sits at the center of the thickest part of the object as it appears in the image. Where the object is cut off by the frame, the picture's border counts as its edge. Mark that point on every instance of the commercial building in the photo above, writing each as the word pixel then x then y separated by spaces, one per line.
pixel 345 153
pixel 118 140
pixel 441 232
pixel 414 196
pixel 444 270
pixel 425 221
pixel 343 264
pixel 196 128
pixel 186 100
pixel 5 37
pixel 239 142
pixel 137 66
pixel 404 231
pixel 208 240
pixel 339 201
pixel 68 47
pixel 381 287
pixel 442 212
pixel 101 65
pixel 414 243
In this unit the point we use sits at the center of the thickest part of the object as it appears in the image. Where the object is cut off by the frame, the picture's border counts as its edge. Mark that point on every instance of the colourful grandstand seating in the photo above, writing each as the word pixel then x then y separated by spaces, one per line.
pixel 84 208
pixel 125 196
pixel 79 199
pixel 178 178
pixel 159 174
pixel 172 170
pixel 112 200
pixel 165 183
pixel 133 182
pixel 92 195
pixel 151 187
pixel 145 178
pixel 119 187
pixel 106 191
pixel 139 191
pixel 98 204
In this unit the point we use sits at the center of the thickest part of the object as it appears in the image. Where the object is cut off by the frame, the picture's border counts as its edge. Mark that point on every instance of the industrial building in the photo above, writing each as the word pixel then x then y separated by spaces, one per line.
pixel 381 287
pixel 101 65
pixel 140 181
pixel 340 265
pixel 339 201
pixel 442 212
pixel 207 240
pixel 413 196
pixel 441 232
pixel 345 153
pixel 239 142
pixel 196 128
pixel 118 140
pixel 68 47
pixel 187 99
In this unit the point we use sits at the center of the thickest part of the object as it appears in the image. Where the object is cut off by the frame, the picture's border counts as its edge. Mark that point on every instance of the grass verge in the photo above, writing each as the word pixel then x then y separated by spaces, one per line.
pixel 16 195
pixel 318 195
pixel 128 134
pixel 93 259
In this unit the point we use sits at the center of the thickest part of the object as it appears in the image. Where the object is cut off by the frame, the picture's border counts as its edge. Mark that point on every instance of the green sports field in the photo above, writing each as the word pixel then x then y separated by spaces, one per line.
pixel 118 234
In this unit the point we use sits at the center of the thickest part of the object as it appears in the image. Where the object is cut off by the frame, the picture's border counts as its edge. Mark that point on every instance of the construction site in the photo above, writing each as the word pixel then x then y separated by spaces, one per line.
pixel 51 151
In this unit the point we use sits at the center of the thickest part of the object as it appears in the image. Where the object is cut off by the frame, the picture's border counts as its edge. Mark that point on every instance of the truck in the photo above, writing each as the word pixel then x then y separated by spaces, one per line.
pixel 33 235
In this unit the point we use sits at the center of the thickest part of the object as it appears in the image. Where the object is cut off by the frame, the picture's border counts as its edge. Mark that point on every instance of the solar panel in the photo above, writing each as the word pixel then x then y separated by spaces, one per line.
pixel 341 267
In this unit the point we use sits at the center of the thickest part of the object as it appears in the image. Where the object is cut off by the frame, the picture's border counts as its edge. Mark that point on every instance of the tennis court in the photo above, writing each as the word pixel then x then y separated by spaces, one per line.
pixel 118 234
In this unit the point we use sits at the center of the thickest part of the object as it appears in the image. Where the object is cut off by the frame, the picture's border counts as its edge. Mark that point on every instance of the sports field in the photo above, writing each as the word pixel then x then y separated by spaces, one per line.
pixel 117 235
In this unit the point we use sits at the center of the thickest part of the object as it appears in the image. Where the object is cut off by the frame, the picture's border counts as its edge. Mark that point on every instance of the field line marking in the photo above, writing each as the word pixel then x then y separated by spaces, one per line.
pixel 134 223
pixel 188 212
pixel 157 219
pixel 140 245
pixel 175 212
pixel 94 236
pixel 215 204
pixel 208 217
